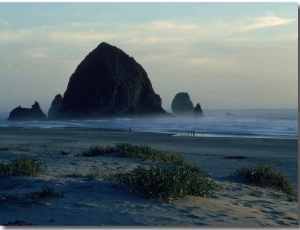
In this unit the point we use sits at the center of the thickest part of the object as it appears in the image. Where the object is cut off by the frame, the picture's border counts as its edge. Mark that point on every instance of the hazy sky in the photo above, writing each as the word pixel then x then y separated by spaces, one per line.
pixel 225 55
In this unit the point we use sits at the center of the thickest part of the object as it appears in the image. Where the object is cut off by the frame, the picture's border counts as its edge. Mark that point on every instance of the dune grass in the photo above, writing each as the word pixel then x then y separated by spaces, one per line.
pixel 175 179
pixel 19 148
pixel 147 153
pixel 266 175
pixel 24 166
pixel 165 183
pixel 97 151
pixel 94 175
pixel 143 152
pixel 40 197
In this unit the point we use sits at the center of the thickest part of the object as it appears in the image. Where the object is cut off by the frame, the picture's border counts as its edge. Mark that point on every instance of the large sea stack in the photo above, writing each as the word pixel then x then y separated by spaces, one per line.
pixel 33 113
pixel 108 82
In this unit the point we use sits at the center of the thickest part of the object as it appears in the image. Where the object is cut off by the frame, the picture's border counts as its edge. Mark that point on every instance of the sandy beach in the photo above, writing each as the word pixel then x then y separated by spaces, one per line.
pixel 97 202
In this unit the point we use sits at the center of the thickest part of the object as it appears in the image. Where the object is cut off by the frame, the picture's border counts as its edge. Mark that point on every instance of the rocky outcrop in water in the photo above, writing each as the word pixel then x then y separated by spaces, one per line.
pixel 19 113
pixel 198 111
pixel 55 105
pixel 182 105
pixel 228 114
pixel 108 82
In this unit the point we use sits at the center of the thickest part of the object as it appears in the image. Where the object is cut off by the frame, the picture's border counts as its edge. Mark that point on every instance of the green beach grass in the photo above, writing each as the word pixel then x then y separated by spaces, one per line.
pixel 175 179
pixel 24 166
pixel 266 175
pixel 165 183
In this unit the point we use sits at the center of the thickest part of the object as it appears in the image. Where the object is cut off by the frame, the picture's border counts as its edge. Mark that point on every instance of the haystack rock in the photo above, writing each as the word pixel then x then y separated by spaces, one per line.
pixel 19 113
pixel 56 103
pixel 108 82
pixel 182 105
pixel 198 111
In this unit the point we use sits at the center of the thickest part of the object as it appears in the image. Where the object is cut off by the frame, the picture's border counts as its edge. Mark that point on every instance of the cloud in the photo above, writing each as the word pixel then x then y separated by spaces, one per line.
pixel 207 62
pixel 32 36
pixel 156 40
pixel 75 37
pixel 191 44
pixel 12 36
pixel 172 25
pixel 36 53
pixel 157 32
pixel 265 22
pixel 153 32
pixel 3 22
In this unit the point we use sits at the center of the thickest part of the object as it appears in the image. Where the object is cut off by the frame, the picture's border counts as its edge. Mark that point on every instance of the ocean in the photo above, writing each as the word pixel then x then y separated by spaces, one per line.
pixel 260 123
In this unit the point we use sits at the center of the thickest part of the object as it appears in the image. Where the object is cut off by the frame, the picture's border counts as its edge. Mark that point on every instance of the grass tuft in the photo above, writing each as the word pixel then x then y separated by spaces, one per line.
pixel 266 175
pixel 97 151
pixel 147 153
pixel 40 197
pixel 19 148
pixel 175 179
pixel 165 183
pixel 65 153
pixel 24 166
pixel 142 152
pixel 94 175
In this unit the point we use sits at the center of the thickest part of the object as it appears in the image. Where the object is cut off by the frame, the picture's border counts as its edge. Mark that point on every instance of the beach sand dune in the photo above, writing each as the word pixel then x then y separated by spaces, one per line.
pixel 98 202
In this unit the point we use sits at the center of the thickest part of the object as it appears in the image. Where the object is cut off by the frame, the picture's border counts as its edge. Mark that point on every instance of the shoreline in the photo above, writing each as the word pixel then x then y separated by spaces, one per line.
pixel 172 133
pixel 96 202
pixel 206 152
pixel 245 124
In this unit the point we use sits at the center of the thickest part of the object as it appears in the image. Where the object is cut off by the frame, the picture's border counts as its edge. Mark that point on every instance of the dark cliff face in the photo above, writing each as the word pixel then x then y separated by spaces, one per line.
pixel 182 105
pixel 109 83
pixel 19 113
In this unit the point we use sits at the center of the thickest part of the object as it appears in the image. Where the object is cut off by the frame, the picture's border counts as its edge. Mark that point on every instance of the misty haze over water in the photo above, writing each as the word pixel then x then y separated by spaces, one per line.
pixel 268 123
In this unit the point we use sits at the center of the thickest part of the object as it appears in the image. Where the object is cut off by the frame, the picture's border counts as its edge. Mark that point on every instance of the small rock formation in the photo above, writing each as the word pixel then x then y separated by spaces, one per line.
pixel 56 103
pixel 235 157
pixel 19 113
pixel 198 111
pixel 182 105
pixel 229 114
pixel 108 82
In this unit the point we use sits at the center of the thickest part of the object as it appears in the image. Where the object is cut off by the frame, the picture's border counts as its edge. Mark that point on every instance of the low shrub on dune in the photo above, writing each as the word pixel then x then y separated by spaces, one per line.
pixel 266 175
pixel 142 152
pixel 147 153
pixel 24 166
pixel 175 179
pixel 19 148
pixel 40 197
pixel 97 151
pixel 165 183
